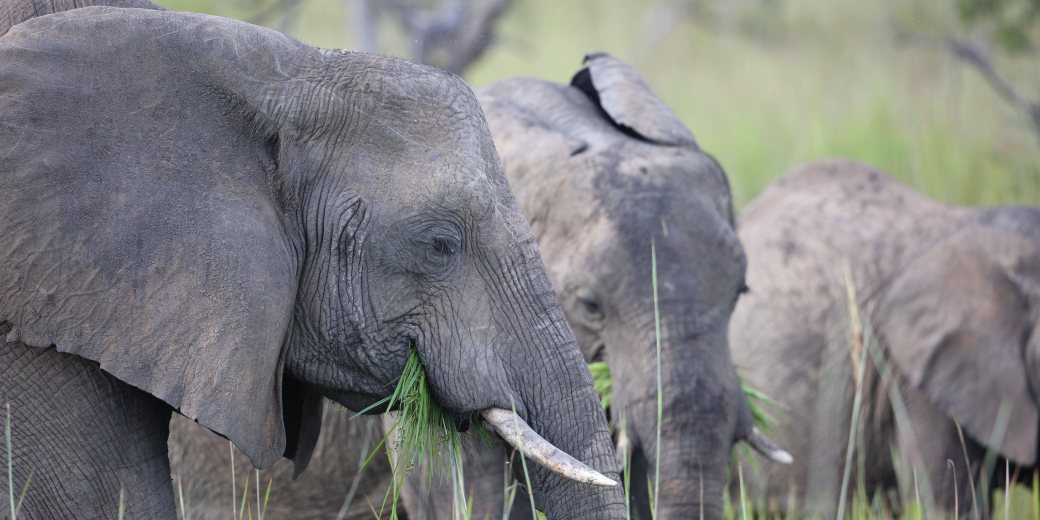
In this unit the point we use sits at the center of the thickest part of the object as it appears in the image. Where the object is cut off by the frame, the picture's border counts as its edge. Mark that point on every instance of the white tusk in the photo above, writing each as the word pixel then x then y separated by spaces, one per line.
pixel 767 448
pixel 519 435
pixel 622 447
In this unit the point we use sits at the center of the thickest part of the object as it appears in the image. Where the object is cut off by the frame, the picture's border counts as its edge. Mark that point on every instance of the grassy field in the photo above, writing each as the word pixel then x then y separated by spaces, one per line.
pixel 768 85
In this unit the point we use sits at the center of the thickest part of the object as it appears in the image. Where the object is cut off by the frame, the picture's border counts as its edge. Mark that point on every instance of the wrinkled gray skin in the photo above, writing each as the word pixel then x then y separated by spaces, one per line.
pixel 596 193
pixel 203 215
pixel 953 296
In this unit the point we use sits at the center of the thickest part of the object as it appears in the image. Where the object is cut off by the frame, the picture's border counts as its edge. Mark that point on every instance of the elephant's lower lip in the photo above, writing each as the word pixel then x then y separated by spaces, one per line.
pixel 360 402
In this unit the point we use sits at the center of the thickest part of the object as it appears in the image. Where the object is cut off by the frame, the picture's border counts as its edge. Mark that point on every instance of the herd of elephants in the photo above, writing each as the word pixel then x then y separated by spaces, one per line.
pixel 212 233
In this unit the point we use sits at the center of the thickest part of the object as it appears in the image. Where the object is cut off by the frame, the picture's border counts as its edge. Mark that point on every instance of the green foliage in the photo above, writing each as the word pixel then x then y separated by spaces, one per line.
pixel 602 381
pixel 424 431
pixel 758 402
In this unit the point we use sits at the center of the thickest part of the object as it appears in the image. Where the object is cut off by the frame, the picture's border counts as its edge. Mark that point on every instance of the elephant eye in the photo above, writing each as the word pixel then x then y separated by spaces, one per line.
pixel 445 246
pixel 589 303
pixel 440 252
pixel 744 289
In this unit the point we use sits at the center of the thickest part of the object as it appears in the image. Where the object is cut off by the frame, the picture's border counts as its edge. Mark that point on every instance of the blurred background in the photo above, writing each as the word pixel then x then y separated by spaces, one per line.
pixel 943 94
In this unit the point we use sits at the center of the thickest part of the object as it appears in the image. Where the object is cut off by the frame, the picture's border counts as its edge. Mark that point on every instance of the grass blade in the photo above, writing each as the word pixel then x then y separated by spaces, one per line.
pixel 743 496
pixel 523 464
pixel 267 498
pixel 180 497
pixel 10 462
pixel 21 496
pixel 660 391
pixel 245 495
pixel 860 357
pixel 234 486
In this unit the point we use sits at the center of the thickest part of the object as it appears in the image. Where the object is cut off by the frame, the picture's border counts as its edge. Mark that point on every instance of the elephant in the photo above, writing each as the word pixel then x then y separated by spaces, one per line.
pixel 204 216
pixel 611 181
pixel 933 308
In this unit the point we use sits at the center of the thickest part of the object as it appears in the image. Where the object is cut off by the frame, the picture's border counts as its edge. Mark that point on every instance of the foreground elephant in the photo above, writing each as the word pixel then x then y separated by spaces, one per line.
pixel 600 168
pixel 953 298
pixel 206 216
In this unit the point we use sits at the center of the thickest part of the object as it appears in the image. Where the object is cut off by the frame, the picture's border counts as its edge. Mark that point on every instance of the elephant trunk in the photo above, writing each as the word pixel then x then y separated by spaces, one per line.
pixel 693 458
pixel 553 391
pixel 692 480
pixel 702 409
pixel 528 362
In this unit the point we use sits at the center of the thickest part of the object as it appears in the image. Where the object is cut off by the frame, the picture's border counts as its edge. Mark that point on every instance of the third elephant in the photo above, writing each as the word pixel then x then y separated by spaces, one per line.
pixel 935 307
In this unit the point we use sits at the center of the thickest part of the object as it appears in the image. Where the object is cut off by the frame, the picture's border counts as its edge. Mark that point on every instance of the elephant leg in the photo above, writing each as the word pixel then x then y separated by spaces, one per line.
pixel 81 439
pixel 933 461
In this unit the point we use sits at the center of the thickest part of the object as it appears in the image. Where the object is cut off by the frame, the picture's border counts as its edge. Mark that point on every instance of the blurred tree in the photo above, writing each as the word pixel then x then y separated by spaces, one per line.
pixel 1011 23
pixel 1008 26
pixel 450 34
pixel 756 19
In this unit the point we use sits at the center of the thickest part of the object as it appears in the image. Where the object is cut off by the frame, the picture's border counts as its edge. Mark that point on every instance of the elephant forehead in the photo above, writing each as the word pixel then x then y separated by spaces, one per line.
pixel 419 104
pixel 636 188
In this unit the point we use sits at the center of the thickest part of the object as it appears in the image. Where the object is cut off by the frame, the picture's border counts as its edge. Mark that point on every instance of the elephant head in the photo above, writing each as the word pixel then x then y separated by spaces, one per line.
pixel 613 183
pixel 961 321
pixel 240 224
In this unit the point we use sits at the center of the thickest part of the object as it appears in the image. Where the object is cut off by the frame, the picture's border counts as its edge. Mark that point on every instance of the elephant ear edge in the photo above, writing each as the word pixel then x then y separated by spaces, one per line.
pixel 629 102
pixel 956 323
pixel 19 11
pixel 149 240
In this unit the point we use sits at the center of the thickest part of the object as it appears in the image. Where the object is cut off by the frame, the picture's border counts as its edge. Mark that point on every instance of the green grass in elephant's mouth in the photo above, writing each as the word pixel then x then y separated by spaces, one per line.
pixel 422 434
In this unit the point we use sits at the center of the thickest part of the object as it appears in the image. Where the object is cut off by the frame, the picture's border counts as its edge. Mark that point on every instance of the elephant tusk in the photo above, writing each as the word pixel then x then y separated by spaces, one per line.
pixel 519 435
pixel 767 448
pixel 622 448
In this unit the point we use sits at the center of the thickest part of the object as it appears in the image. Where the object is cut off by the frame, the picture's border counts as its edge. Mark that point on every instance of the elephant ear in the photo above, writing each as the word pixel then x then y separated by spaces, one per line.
pixel 629 102
pixel 139 222
pixel 960 322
